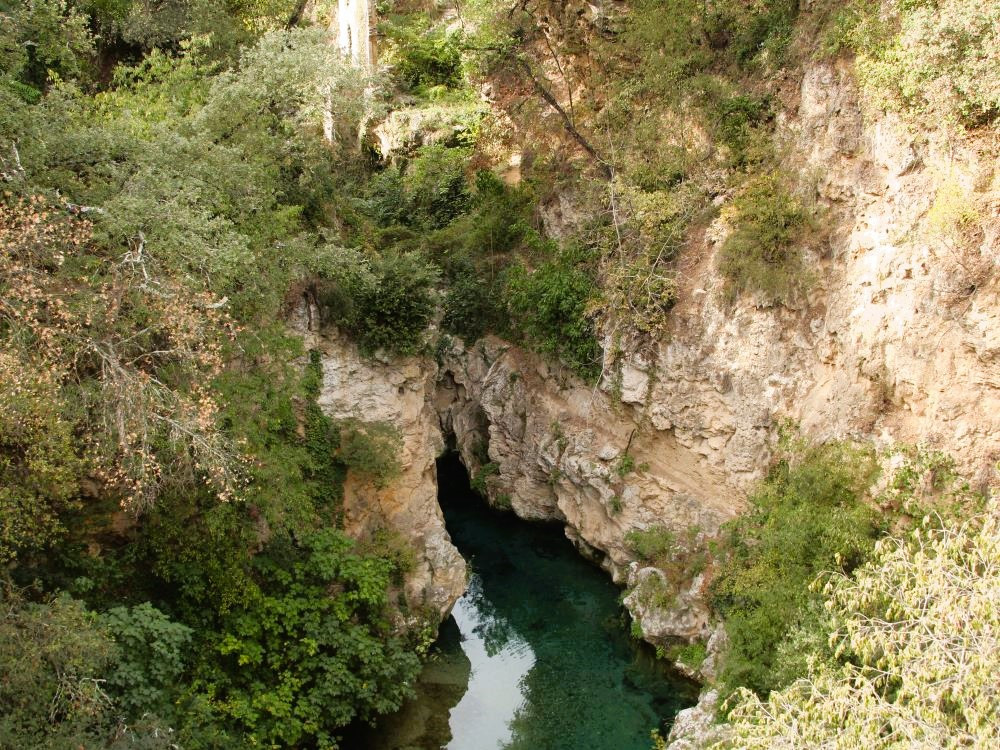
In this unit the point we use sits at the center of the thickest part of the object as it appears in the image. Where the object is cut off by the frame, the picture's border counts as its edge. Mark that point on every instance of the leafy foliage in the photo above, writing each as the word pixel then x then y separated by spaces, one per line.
pixel 54 657
pixel 371 448
pixel 40 461
pixel 550 305
pixel 389 307
pixel 161 451
pixel 652 544
pixel 761 255
pixel 927 58
pixel 808 516
pixel 424 58
pixel 151 659
pixel 920 632
pixel 314 652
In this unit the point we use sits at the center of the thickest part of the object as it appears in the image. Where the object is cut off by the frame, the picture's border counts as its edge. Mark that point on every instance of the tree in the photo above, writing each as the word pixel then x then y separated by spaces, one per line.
pixel 919 629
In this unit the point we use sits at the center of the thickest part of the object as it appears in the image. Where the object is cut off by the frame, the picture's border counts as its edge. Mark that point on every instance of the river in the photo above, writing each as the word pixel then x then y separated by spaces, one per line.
pixel 536 654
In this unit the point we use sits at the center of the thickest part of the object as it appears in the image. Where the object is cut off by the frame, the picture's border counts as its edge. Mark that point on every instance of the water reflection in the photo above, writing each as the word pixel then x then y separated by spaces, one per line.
pixel 500 659
pixel 540 644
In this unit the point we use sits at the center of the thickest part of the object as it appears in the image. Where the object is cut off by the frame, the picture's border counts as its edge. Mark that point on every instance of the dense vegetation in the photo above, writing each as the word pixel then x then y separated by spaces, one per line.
pixel 170 490
pixel 177 175
pixel 915 635
pixel 809 516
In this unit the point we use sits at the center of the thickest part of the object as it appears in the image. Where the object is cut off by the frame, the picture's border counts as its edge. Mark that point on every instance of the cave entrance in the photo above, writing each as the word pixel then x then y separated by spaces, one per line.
pixel 536 653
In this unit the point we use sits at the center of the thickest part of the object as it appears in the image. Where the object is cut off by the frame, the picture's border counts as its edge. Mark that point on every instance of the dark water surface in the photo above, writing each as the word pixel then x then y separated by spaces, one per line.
pixel 535 655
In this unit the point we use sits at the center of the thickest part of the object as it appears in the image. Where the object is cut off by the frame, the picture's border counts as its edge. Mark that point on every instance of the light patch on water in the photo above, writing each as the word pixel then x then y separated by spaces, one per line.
pixel 481 719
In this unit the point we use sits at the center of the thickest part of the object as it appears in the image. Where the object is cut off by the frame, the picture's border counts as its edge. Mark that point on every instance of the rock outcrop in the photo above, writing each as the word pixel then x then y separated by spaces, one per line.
pixel 399 392
pixel 553 448
pixel 695 728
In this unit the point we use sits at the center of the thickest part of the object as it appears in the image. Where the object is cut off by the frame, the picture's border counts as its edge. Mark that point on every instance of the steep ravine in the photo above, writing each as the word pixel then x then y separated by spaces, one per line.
pixel 895 344
pixel 556 445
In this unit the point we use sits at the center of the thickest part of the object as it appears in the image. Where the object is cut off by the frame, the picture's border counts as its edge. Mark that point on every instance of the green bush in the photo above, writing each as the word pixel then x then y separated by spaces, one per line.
pixel 807 517
pixel 386 198
pixel 479 479
pixel 427 194
pixel 655 544
pixel 676 40
pixel 740 125
pixel 152 654
pixel 926 58
pixel 388 306
pixel 436 186
pixel 423 58
pixel 691 655
pixel 760 34
pixel 473 306
pixel 51 658
pixel 550 306
pixel 761 255
pixel 371 448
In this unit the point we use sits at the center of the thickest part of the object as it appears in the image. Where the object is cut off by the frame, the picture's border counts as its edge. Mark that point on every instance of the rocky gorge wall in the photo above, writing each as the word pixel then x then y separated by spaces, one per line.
pixel 897 342
pixel 399 392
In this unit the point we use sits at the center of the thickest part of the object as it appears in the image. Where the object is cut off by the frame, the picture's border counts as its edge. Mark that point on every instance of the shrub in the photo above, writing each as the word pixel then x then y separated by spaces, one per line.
pixel 314 653
pixel 809 515
pixel 740 125
pixel 423 58
pixel 386 197
pixel 472 307
pixel 550 307
pixel 479 480
pixel 387 307
pixel 920 626
pixel 371 448
pixel 152 655
pixel 53 656
pixel 655 592
pixel 40 459
pixel 436 186
pixel 654 544
pixel 691 655
pixel 760 34
pixel 761 254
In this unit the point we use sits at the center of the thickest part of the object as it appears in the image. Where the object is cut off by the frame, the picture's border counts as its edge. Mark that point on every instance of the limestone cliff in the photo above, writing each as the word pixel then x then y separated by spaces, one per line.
pixel 898 342
pixel 399 392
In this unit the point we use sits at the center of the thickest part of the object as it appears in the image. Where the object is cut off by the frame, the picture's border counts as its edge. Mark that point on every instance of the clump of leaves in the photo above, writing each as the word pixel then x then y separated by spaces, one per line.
pixel 926 58
pixel 550 305
pixel 315 652
pixel 762 255
pixel 808 516
pixel 479 480
pixel 655 544
pixel 424 58
pixel 387 304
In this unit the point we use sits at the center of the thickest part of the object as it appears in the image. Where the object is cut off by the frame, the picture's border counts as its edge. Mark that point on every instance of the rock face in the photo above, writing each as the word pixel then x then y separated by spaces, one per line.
pixel 897 342
pixel 900 337
pixel 552 448
pixel 664 611
pixel 400 392
pixel 695 728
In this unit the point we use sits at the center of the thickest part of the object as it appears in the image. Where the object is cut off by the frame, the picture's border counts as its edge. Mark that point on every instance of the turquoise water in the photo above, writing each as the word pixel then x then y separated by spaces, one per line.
pixel 536 655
